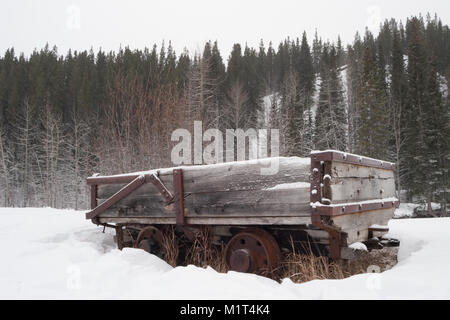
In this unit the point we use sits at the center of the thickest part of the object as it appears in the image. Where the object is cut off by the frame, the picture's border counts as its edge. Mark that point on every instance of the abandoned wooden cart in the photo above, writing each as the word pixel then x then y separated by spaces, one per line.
pixel 330 201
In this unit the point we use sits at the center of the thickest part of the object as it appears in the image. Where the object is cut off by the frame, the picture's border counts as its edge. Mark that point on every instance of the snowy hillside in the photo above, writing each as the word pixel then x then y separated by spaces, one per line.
pixel 50 253
pixel 274 98
pixel 269 100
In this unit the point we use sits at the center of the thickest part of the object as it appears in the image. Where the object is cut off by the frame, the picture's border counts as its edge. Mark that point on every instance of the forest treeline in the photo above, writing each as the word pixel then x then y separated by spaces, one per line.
pixel 64 117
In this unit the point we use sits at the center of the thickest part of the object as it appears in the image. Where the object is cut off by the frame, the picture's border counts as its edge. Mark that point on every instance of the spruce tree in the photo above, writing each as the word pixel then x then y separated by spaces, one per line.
pixel 415 151
pixel 331 118
pixel 373 127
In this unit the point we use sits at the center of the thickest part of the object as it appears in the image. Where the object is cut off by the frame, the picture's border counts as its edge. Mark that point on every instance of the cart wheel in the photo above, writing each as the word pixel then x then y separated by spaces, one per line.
pixel 150 239
pixel 252 250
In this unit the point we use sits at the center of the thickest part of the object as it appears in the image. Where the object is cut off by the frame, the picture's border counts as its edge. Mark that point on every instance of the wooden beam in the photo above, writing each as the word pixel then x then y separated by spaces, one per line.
pixel 274 220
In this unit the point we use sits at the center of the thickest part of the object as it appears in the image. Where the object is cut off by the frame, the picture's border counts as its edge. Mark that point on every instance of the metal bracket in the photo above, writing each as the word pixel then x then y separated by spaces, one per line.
pixel 178 196
pixel 93 196
pixel 316 181
pixel 132 185
pixel 316 218
pixel 168 197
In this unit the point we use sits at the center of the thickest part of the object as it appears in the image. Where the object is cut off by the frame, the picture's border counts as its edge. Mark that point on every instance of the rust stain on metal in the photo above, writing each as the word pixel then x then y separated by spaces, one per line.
pixel 133 185
pixel 252 250
pixel 316 196
pixel 316 180
pixel 112 179
pixel 94 189
pixel 178 196
pixel 119 236
pixel 168 197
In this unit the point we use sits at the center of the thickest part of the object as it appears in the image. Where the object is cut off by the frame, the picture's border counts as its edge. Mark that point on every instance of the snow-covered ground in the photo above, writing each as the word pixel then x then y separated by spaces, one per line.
pixel 48 253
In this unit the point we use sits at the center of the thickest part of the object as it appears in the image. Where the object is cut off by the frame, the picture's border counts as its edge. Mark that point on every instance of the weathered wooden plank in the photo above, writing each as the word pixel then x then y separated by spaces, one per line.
pixel 341 190
pixel 106 190
pixel 357 225
pixel 289 202
pixel 281 210
pixel 273 220
pixel 297 197
pixel 346 170
pixel 228 176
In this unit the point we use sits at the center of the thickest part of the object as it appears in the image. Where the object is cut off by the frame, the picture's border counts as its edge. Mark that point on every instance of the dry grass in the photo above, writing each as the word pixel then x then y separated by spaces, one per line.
pixel 303 267
pixel 202 252
pixel 171 247
pixel 298 266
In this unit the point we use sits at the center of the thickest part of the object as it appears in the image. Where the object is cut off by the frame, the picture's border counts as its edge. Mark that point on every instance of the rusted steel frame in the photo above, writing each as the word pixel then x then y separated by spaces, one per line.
pixel 168 197
pixel 253 250
pixel 379 229
pixel 335 242
pixel 335 235
pixel 339 210
pixel 316 181
pixel 351 159
pixel 130 187
pixel 133 185
pixel 119 235
pixel 111 179
pixel 316 217
pixel 94 189
pixel 178 196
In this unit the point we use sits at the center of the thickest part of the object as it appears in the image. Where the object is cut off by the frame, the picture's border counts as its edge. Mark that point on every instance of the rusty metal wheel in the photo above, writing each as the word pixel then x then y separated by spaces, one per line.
pixel 252 250
pixel 150 239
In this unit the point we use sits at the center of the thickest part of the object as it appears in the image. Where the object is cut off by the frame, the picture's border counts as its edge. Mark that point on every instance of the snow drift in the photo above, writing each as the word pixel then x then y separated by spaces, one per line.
pixel 57 254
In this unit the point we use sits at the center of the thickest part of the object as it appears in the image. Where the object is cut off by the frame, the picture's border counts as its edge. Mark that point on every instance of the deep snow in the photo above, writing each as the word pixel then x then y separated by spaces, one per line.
pixel 49 253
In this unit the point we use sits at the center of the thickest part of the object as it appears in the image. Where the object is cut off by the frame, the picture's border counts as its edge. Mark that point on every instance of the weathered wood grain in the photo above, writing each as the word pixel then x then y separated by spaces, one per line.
pixel 345 170
pixel 226 177
pixel 341 190
pixel 357 225
pixel 274 220
pixel 292 202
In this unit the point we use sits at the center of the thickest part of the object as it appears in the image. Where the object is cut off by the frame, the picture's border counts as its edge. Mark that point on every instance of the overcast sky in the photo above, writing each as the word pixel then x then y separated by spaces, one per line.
pixel 78 24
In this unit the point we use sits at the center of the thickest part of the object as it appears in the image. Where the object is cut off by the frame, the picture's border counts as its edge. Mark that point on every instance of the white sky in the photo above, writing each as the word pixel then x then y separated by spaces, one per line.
pixel 78 24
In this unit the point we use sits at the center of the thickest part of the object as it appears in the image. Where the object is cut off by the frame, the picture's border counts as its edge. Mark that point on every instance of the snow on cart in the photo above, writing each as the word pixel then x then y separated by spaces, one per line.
pixel 330 201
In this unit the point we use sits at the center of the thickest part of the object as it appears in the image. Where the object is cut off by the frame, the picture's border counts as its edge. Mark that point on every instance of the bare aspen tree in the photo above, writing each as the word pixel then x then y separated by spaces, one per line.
pixel 237 114
pixel 6 168
pixel 116 144
pixel 50 161
pixel 25 130
pixel 201 93
pixel 78 157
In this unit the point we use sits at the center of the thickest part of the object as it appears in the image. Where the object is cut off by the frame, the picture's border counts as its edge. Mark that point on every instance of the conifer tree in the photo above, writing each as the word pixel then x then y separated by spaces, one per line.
pixel 415 153
pixel 373 129
pixel 398 91
pixel 331 118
